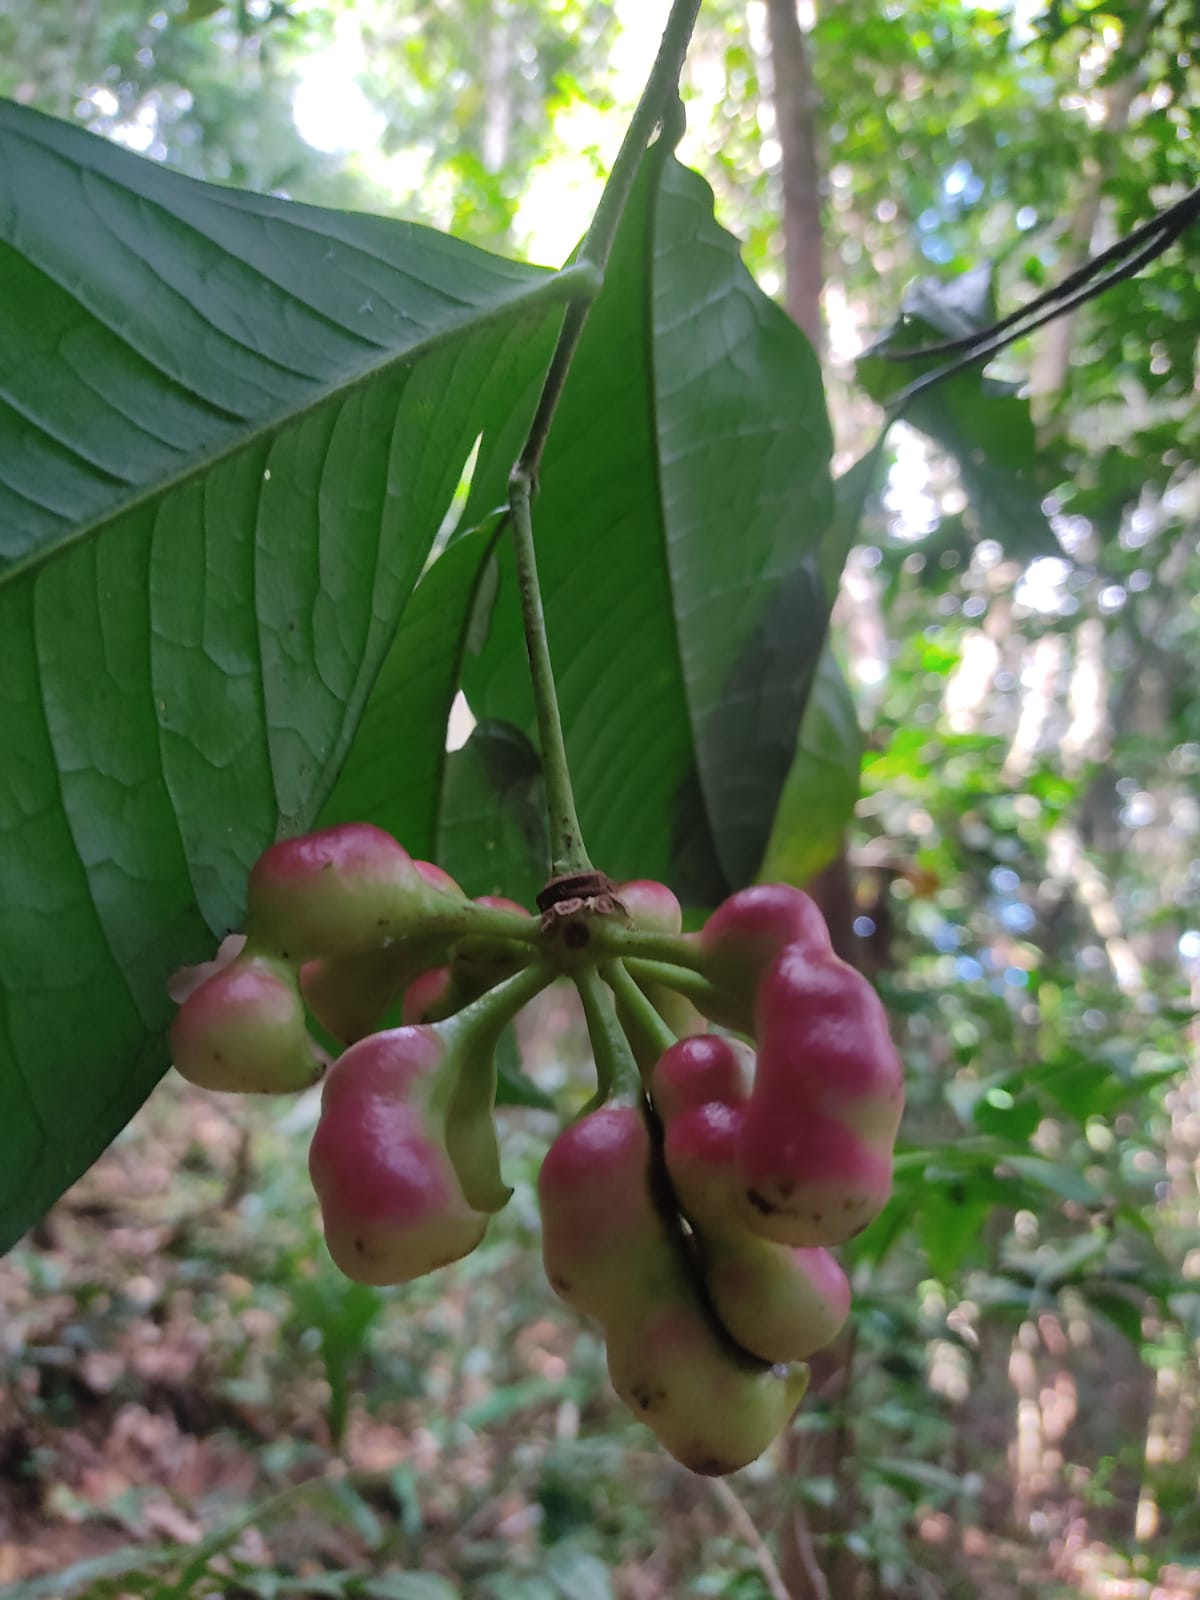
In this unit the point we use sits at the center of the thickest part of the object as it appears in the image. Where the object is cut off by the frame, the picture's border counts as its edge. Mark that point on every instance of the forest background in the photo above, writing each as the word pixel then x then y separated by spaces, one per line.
pixel 196 1403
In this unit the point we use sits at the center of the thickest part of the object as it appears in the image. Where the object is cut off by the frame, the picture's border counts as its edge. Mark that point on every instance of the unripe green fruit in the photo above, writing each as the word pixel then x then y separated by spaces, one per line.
pixel 243 1031
pixel 815 1146
pixel 713 1412
pixel 745 934
pixel 391 1202
pixel 342 890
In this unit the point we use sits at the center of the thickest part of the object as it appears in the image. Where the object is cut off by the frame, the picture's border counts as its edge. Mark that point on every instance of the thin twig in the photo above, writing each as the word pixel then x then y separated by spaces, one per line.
pixel 745 1525
pixel 568 853
pixel 1158 233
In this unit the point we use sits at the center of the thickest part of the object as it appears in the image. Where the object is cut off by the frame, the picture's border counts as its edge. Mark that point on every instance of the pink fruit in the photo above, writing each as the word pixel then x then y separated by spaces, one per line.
pixel 779 1304
pixel 745 934
pixel 391 1202
pixel 613 1248
pixel 597 1214
pixel 815 1146
pixel 426 995
pixel 695 1071
pixel 351 994
pixel 243 1031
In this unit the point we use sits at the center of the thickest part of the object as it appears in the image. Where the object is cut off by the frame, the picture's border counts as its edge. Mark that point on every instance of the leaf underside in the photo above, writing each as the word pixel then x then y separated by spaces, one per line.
pixel 684 501
pixel 230 428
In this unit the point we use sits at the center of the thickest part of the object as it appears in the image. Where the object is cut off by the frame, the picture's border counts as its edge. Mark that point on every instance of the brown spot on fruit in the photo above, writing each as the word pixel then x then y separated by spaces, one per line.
pixel 760 1203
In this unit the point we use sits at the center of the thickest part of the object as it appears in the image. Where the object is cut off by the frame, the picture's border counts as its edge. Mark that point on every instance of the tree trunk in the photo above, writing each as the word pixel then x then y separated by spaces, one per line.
pixel 795 99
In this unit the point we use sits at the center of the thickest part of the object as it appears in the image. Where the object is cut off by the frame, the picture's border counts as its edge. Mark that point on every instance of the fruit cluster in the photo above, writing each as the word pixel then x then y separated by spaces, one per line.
pixel 689 1208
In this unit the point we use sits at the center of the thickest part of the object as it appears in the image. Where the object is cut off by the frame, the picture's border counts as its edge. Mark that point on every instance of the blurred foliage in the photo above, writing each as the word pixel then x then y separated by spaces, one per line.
pixel 1027 884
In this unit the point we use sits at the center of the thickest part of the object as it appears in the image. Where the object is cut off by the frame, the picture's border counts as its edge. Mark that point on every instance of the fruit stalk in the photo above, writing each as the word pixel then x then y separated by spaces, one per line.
pixel 567 850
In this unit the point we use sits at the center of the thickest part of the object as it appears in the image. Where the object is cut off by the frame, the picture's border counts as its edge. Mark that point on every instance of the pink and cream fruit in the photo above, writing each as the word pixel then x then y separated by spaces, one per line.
pixel 781 1304
pixel 391 1202
pixel 243 1031
pixel 341 890
pixel 815 1146
pixel 612 1251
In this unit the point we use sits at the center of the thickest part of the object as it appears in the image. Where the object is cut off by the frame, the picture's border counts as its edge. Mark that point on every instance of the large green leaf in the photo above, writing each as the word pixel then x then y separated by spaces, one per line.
pixel 230 429
pixel 821 790
pixel 684 498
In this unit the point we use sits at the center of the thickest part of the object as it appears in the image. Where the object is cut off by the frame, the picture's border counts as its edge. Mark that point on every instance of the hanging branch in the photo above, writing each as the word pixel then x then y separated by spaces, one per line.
pixel 1120 261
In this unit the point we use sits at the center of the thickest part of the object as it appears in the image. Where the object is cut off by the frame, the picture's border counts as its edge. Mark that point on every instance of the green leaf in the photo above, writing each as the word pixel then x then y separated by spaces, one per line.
pixel 821 789
pixel 920 1475
pixel 1123 1313
pixel 85 1575
pixel 576 1575
pixel 409 1586
pixel 949 1224
pixel 684 499
pixel 1056 1176
pixel 234 427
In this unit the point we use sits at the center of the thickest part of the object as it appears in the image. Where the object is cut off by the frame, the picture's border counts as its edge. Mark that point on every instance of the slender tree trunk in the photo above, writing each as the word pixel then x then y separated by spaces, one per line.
pixel 795 98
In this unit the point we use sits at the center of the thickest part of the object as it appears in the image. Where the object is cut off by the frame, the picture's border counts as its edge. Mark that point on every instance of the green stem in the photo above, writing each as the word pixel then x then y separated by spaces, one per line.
pixel 616 1069
pixel 474 921
pixel 488 1016
pixel 706 996
pixel 642 944
pixel 641 1012
pixel 568 853
pixel 652 108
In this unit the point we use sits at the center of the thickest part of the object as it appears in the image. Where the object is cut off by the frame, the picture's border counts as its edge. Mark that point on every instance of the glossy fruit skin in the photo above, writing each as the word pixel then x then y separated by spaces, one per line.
pixel 743 937
pixel 781 1304
pixel 611 1251
pixel 778 1303
pixel 341 890
pixel 711 1412
pixel 596 1209
pixel 392 1205
pixel 815 1146
pixel 243 1031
